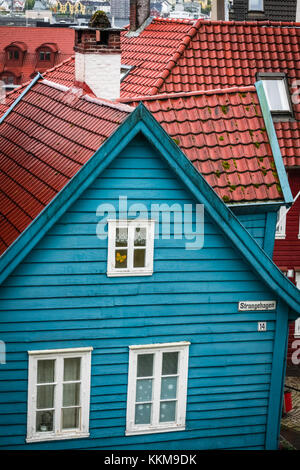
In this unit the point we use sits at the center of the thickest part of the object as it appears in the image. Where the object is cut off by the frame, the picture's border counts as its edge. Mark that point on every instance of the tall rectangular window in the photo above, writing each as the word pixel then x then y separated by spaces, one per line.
pixel 256 5
pixel 281 223
pixel 58 394
pixel 130 247
pixel 157 388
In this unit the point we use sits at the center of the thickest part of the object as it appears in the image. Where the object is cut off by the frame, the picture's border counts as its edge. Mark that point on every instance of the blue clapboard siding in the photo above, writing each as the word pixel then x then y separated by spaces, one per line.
pixel 60 297
pixel 255 224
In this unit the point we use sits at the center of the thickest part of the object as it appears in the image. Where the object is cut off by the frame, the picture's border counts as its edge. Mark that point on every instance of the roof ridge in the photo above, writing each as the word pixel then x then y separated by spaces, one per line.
pixel 180 49
pixel 91 99
pixel 253 22
pixel 212 91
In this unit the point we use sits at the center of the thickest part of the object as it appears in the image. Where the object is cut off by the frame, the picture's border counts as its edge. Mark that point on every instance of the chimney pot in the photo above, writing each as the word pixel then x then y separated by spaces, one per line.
pixel 139 13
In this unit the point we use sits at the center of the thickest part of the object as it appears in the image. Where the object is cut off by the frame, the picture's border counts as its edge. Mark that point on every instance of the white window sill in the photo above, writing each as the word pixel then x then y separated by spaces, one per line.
pixel 56 437
pixel 280 237
pixel 129 273
pixel 155 430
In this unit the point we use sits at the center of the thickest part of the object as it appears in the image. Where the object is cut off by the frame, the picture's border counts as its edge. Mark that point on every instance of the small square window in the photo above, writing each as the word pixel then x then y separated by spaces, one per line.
pixel 44 56
pixel 256 5
pixel 281 223
pixel 157 388
pixel 13 55
pixel 58 394
pixel 130 247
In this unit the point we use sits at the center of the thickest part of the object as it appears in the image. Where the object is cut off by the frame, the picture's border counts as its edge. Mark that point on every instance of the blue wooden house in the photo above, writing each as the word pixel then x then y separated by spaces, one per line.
pixel 137 312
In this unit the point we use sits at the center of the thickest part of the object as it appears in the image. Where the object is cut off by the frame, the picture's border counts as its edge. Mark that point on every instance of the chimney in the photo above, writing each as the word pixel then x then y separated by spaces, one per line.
pixel 139 13
pixel 98 60
pixel 218 10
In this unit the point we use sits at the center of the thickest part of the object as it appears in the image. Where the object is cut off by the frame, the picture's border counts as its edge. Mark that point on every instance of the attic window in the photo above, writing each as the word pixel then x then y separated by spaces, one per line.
pixel 277 94
pixel 256 5
pixel 44 56
pixel 130 247
pixel 13 54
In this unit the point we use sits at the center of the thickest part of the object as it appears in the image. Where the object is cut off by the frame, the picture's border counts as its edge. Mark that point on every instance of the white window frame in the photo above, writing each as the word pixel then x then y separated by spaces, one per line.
pixel 157 349
pixel 147 270
pixel 297 322
pixel 251 7
pixel 283 91
pixel 58 355
pixel 281 224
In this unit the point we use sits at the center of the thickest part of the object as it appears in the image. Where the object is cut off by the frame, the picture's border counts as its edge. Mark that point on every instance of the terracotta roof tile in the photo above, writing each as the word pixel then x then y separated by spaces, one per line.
pixel 44 141
pixel 222 132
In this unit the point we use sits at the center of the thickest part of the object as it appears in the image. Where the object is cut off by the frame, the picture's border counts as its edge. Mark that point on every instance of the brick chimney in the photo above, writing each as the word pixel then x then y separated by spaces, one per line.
pixel 139 13
pixel 98 60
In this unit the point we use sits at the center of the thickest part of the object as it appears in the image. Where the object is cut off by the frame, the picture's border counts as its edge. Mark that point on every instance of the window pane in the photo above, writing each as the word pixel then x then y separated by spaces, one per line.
pixel 139 258
pixel 170 363
pixel 140 236
pixel 71 394
pixel 44 421
pixel 70 418
pixel 121 259
pixel 121 236
pixel 276 95
pixel 145 365
pixel 45 396
pixel 256 5
pixel 143 390
pixel 168 387
pixel 72 369
pixel 167 411
pixel 45 372
pixel 143 414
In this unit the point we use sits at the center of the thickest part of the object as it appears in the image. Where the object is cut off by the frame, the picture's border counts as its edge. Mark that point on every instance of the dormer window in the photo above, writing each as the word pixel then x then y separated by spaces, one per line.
pixel 45 55
pixel 256 5
pixel 15 52
pixel 277 94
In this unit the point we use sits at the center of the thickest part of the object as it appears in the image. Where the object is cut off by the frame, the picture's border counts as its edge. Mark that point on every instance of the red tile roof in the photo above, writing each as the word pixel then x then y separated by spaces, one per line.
pixel 225 54
pixel 162 41
pixel 172 56
pixel 44 141
pixel 63 73
pixel 32 38
pixel 222 132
